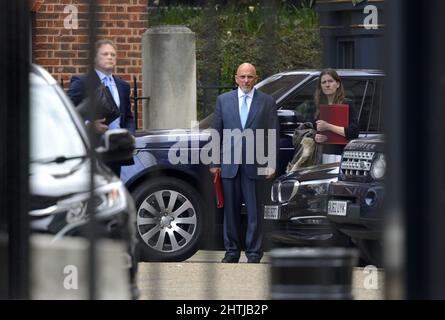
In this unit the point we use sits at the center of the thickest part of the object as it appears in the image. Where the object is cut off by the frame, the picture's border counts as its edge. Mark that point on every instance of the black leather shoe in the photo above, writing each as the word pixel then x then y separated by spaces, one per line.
pixel 230 259
pixel 253 260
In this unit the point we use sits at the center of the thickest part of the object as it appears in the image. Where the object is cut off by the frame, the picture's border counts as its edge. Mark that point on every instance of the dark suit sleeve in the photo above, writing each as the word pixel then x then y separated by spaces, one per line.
pixel 217 126
pixel 76 91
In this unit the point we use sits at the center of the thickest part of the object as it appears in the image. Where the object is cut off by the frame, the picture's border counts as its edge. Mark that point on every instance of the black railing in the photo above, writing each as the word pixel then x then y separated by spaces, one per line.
pixel 135 98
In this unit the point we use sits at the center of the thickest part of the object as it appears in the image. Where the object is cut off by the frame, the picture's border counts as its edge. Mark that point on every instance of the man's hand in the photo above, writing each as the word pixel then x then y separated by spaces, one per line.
pixel 99 126
pixel 270 173
pixel 215 170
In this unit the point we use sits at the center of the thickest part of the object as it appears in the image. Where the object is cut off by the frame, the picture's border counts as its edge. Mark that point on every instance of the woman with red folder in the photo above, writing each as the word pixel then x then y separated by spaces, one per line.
pixel 335 116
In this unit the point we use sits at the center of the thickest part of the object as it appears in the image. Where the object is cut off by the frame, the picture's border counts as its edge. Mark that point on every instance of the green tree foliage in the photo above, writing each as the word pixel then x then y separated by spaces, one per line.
pixel 277 38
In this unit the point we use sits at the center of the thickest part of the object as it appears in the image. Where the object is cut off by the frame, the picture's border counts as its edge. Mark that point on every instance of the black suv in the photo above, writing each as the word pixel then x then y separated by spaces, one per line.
pixel 355 201
pixel 175 202
pixel 297 212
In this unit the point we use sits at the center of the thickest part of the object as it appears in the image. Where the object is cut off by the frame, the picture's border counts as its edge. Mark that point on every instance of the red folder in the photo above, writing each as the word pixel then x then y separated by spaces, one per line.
pixel 337 114
pixel 218 190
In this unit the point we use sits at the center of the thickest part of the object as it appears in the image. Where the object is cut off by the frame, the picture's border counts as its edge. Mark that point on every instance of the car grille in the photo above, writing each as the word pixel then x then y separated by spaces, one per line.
pixel 302 231
pixel 356 163
pixel 286 190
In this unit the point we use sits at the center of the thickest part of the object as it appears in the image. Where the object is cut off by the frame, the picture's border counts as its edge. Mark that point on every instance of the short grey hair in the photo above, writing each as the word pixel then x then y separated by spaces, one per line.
pixel 102 42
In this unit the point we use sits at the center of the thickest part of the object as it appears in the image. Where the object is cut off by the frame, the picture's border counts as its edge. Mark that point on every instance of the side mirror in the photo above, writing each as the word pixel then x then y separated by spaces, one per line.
pixel 118 145
pixel 289 120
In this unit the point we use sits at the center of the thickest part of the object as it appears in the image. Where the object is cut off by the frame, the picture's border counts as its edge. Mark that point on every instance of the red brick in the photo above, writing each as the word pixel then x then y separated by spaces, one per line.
pixel 122 47
pixel 120 32
pixel 119 16
pixel 44 46
pixel 137 24
pixel 53 62
pixel 109 8
pixel 137 9
pixel 65 54
pixel 80 46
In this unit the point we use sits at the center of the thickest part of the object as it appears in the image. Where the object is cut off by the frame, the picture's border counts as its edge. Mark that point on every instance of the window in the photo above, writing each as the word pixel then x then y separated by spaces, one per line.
pixel 346 54
pixel 302 101
pixel 279 85
pixel 364 93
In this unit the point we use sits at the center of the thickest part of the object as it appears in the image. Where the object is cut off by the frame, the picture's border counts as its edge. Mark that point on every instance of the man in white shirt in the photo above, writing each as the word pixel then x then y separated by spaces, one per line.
pixel 105 62
pixel 250 112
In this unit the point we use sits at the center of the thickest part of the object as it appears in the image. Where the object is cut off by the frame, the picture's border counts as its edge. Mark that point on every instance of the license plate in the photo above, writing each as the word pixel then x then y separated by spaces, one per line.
pixel 271 212
pixel 337 208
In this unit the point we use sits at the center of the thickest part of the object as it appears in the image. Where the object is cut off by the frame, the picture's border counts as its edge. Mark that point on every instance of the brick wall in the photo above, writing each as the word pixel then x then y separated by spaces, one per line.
pixel 63 52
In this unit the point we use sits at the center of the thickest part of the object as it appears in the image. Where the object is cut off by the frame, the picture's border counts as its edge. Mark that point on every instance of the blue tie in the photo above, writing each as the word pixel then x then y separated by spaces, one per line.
pixel 244 111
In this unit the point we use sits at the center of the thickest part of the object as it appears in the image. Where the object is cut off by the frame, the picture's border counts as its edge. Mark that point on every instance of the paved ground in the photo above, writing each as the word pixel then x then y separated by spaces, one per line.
pixel 203 277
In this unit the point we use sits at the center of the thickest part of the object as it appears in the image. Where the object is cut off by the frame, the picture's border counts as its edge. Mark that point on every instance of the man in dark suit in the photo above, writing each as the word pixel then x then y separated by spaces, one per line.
pixel 253 114
pixel 105 63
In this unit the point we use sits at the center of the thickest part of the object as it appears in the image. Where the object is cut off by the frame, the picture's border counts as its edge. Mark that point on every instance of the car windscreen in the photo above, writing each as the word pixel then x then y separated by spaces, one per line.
pixel 278 85
pixel 54 136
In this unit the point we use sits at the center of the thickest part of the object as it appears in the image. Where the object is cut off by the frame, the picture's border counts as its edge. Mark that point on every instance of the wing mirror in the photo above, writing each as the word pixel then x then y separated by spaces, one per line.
pixel 289 119
pixel 118 145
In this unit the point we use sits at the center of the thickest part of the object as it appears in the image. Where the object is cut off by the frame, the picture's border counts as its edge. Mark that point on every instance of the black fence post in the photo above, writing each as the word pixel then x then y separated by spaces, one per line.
pixel 90 211
pixel 14 149
pixel 414 119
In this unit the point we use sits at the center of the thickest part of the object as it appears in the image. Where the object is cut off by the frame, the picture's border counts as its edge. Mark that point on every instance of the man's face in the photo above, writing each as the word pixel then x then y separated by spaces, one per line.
pixel 106 58
pixel 246 77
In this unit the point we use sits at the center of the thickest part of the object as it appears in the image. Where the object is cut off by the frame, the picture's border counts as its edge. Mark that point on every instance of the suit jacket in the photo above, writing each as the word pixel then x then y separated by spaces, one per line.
pixel 262 115
pixel 78 91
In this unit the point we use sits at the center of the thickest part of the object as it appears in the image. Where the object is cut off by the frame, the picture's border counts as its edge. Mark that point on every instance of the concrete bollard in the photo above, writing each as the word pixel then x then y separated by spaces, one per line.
pixel 169 77
pixel 312 273
pixel 59 270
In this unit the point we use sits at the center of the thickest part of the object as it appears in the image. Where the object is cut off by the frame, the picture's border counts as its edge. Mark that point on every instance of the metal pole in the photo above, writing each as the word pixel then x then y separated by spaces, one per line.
pixel 92 289
pixel 135 102
pixel 414 119
pixel 14 149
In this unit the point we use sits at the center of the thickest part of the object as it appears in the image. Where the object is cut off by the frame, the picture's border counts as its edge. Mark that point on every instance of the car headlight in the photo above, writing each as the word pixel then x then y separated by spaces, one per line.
pixel 378 167
pixel 108 200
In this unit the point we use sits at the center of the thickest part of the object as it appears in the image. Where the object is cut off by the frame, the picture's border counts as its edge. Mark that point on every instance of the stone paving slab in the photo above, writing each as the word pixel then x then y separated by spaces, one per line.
pixel 203 277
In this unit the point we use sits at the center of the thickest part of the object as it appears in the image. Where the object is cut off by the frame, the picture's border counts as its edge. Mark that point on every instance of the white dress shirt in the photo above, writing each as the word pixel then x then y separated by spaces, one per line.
pixel 241 95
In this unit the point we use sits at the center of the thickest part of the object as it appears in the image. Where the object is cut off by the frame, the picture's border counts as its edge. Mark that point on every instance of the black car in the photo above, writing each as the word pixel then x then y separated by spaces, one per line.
pixel 298 208
pixel 60 171
pixel 355 201
pixel 164 191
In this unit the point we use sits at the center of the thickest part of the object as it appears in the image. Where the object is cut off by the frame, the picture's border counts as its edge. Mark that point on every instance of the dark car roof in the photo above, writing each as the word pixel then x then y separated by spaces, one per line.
pixel 341 72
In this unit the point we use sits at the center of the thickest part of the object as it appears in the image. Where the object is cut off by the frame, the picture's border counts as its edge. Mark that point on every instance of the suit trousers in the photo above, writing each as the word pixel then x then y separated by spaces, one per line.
pixel 237 189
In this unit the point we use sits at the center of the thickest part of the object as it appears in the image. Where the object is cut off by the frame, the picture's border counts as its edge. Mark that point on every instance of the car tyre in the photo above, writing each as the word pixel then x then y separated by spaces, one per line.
pixel 169 219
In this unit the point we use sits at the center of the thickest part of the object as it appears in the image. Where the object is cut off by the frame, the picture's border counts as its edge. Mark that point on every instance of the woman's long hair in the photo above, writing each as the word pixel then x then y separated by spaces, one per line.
pixel 321 98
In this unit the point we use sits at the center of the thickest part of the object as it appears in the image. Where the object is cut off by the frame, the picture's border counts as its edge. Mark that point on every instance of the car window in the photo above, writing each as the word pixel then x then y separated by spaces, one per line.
pixel 302 101
pixel 278 85
pixel 53 132
pixel 368 107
